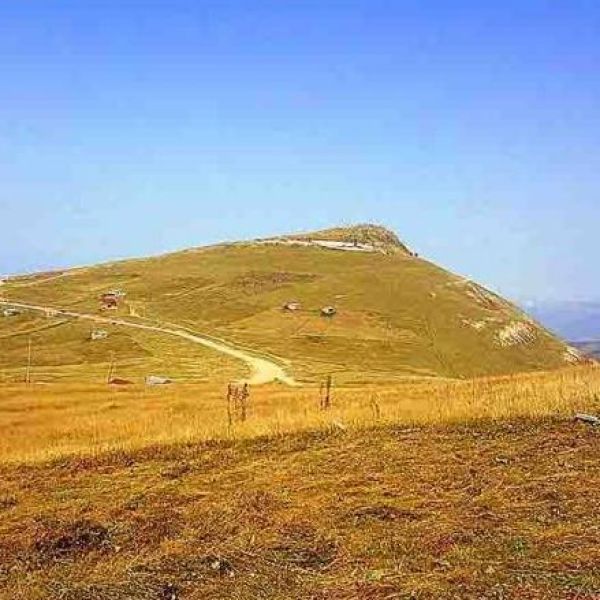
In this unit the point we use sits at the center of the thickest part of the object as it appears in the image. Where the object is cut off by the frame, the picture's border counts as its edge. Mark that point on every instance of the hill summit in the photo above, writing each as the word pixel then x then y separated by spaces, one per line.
pixel 365 234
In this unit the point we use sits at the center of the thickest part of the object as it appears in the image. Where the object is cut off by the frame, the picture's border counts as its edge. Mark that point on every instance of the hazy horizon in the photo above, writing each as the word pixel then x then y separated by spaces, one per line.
pixel 134 128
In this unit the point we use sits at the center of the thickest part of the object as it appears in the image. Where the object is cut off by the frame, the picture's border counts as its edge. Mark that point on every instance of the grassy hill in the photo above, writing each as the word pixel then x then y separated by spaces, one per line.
pixel 397 315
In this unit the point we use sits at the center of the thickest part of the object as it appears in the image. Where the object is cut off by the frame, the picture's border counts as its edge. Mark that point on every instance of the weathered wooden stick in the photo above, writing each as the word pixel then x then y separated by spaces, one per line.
pixel 229 411
pixel 328 383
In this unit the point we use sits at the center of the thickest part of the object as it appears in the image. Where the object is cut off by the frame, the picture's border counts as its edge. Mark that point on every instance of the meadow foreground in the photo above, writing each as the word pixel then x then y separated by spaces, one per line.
pixel 493 510
pixel 474 489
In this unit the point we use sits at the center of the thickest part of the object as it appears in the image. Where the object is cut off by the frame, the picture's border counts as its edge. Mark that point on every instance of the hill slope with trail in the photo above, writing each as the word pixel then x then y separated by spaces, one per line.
pixel 262 370
pixel 397 315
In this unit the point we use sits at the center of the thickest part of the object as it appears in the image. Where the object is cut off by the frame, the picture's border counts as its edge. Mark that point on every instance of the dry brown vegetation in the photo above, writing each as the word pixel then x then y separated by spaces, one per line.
pixel 46 421
pixel 410 482
pixel 483 511
pixel 427 489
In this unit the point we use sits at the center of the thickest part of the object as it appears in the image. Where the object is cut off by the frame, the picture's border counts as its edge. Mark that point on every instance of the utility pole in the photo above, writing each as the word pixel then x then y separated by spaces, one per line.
pixel 28 371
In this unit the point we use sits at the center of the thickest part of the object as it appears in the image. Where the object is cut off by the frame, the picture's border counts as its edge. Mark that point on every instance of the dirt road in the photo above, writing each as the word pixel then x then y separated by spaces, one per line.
pixel 262 370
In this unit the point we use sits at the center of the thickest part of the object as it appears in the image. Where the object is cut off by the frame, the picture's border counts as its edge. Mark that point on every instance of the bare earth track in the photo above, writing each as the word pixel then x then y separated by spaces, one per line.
pixel 262 369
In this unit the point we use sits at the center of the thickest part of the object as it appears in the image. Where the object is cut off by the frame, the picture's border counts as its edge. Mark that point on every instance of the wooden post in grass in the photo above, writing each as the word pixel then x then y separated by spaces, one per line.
pixel 244 395
pixel 111 369
pixel 229 411
pixel 325 393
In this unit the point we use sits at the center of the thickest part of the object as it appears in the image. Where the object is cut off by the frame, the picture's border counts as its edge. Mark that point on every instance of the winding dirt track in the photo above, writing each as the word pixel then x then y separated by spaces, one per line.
pixel 262 370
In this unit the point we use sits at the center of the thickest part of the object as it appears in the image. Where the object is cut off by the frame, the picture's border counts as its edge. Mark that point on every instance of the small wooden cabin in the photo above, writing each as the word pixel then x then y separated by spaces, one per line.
pixel 109 301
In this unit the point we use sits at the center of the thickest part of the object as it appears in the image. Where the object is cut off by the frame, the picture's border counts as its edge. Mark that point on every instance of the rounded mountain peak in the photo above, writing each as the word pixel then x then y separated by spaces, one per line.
pixel 364 233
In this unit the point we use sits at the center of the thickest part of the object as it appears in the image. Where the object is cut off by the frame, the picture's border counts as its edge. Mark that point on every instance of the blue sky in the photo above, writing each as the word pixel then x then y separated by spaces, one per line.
pixel 471 128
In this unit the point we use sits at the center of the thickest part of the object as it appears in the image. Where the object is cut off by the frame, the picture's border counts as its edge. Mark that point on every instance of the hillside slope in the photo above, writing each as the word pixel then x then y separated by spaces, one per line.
pixel 397 315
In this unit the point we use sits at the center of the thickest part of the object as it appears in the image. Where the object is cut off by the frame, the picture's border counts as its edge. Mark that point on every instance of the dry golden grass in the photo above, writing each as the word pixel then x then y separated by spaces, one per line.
pixel 482 511
pixel 424 490
pixel 406 487
pixel 45 421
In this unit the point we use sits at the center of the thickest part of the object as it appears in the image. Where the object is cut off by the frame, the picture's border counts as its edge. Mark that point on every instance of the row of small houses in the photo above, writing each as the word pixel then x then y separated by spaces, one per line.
pixel 293 306
pixel 110 301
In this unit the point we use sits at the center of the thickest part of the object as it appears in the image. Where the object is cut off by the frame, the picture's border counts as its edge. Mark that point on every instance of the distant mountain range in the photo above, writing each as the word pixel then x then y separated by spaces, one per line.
pixel 578 322
pixel 589 348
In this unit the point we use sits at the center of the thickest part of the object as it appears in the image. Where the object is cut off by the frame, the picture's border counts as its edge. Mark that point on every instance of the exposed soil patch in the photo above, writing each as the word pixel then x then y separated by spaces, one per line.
pixel 259 281
pixel 57 540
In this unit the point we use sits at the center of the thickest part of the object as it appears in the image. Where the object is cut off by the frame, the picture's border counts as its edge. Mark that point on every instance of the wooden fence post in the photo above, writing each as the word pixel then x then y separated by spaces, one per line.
pixel 245 394
pixel 229 411
pixel 325 392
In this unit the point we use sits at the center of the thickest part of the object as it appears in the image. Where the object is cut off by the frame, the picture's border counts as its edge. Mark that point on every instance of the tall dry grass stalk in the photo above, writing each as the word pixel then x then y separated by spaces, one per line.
pixel 46 421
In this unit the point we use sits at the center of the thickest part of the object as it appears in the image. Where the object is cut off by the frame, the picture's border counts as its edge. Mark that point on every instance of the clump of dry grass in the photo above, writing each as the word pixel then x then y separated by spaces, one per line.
pixel 57 540
pixel 47 421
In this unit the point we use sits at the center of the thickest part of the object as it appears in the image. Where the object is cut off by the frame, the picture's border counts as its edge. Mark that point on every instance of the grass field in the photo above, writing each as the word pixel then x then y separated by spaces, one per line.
pixel 45 421
pixel 63 352
pixel 427 490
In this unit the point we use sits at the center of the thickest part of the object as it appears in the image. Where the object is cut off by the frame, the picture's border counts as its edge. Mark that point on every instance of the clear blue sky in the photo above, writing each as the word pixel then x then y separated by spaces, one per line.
pixel 471 128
